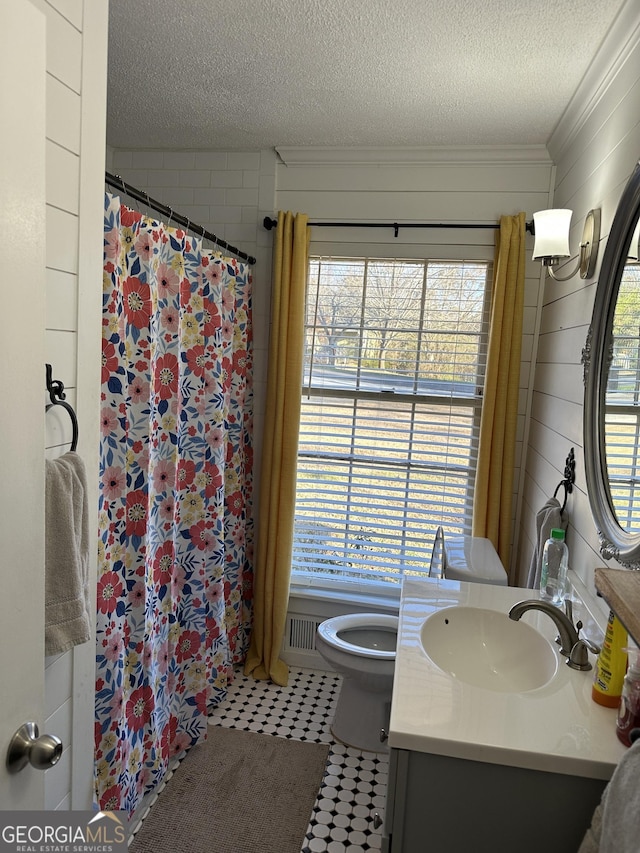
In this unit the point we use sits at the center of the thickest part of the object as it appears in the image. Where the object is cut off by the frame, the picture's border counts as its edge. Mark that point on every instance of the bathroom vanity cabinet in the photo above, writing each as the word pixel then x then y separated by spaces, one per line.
pixel 437 804
pixel 480 764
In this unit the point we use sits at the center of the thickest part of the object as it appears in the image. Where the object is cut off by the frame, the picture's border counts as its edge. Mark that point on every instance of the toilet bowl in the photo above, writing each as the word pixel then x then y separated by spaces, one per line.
pixel 362 648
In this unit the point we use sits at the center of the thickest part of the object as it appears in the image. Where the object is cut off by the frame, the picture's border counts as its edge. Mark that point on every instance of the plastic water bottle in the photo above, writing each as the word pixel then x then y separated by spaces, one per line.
pixel 555 561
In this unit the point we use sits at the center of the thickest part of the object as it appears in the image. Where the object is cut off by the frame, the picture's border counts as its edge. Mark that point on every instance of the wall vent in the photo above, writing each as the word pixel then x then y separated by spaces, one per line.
pixel 301 633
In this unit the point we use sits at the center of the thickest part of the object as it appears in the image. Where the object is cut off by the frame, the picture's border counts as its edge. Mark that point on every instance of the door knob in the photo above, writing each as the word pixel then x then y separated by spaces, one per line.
pixel 27 748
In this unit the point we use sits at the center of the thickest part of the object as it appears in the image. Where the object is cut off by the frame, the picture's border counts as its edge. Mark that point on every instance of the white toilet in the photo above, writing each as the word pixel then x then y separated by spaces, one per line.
pixel 362 647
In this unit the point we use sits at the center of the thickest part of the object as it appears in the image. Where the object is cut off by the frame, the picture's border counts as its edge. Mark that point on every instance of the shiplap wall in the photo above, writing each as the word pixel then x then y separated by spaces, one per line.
pixel 229 193
pixel 471 185
pixel 595 148
pixel 75 129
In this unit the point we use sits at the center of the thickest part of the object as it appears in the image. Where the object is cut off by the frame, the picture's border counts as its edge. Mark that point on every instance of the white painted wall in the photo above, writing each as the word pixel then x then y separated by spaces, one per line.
pixel 595 147
pixel 470 185
pixel 75 130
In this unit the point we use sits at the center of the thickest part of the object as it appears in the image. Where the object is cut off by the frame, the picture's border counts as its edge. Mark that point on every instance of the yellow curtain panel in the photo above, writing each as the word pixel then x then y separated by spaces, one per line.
pixel 280 449
pixel 493 495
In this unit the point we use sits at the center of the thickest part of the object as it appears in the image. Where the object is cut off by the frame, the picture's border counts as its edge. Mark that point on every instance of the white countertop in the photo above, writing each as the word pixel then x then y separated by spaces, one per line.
pixel 557 727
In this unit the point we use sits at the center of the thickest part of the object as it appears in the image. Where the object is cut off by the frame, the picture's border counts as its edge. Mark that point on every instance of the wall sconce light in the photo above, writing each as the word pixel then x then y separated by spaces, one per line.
pixel 551 230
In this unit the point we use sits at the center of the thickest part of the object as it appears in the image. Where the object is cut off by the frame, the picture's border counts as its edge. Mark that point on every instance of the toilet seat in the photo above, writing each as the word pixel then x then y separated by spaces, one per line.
pixel 330 629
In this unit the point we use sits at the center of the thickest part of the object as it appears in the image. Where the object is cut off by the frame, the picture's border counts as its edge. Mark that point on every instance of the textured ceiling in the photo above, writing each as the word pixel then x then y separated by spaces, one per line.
pixel 253 74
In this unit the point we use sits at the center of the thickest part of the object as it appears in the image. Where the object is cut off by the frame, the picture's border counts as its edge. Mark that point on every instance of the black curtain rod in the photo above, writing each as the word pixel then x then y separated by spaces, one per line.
pixel 117 182
pixel 272 223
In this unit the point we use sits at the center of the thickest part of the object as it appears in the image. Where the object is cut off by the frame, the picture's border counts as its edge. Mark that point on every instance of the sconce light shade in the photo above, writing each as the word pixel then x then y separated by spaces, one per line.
pixel 551 228
pixel 551 235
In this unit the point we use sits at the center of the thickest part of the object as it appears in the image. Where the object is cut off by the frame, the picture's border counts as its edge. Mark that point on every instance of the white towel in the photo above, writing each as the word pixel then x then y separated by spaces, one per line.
pixel 615 827
pixel 547 517
pixel 67 620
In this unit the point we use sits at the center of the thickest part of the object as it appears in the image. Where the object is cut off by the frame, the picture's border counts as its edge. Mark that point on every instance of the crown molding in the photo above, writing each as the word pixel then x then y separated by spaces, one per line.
pixel 616 48
pixel 322 155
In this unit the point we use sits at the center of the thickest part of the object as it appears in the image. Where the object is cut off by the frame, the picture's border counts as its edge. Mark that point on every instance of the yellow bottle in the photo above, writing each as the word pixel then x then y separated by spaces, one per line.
pixel 611 665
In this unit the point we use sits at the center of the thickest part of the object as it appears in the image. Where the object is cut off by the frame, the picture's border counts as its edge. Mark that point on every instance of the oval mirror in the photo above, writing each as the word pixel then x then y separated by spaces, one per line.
pixel 612 388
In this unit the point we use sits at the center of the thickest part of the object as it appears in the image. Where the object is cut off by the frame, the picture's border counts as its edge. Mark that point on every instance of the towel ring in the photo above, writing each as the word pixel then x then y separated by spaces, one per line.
pixel 58 398
pixel 567 490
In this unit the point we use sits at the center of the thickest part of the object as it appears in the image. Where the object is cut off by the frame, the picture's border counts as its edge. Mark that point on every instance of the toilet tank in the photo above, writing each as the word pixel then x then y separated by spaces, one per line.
pixel 469 558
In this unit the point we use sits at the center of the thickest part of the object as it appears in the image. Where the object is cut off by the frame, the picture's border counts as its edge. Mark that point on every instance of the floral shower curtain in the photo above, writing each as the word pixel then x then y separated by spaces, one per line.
pixel 175 524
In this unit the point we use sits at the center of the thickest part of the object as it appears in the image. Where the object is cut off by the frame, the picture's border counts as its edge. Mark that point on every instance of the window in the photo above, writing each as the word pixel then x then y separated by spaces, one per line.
pixel 622 403
pixel 390 414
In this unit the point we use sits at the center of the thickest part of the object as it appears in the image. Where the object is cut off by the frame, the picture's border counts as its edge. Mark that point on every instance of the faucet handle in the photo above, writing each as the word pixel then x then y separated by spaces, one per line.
pixel 593 647
pixel 579 657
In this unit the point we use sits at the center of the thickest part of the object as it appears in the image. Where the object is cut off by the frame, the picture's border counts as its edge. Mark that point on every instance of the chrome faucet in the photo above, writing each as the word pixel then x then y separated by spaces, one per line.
pixel 571 645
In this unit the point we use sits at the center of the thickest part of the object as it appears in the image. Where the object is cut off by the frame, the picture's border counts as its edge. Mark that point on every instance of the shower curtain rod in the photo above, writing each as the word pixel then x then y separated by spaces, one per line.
pixel 116 182
pixel 271 223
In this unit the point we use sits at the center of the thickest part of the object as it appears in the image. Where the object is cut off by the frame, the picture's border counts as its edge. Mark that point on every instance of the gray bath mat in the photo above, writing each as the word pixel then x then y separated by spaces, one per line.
pixel 239 792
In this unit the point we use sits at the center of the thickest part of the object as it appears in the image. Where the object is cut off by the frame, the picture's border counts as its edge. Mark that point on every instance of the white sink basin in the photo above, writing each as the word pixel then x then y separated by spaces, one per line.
pixel 487 649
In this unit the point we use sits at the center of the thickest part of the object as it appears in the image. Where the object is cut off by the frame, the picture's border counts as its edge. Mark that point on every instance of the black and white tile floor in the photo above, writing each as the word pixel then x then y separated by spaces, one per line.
pixel 355 782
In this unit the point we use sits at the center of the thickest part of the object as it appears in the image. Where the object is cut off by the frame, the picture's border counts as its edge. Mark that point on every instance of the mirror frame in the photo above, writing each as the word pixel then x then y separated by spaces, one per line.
pixel 615 542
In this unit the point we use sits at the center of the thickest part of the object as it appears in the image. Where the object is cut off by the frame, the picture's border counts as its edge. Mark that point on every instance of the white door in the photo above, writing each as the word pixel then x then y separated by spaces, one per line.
pixel 22 384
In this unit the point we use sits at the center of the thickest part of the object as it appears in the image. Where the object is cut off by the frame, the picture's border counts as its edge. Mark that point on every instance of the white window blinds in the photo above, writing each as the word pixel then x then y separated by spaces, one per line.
pixel 390 413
